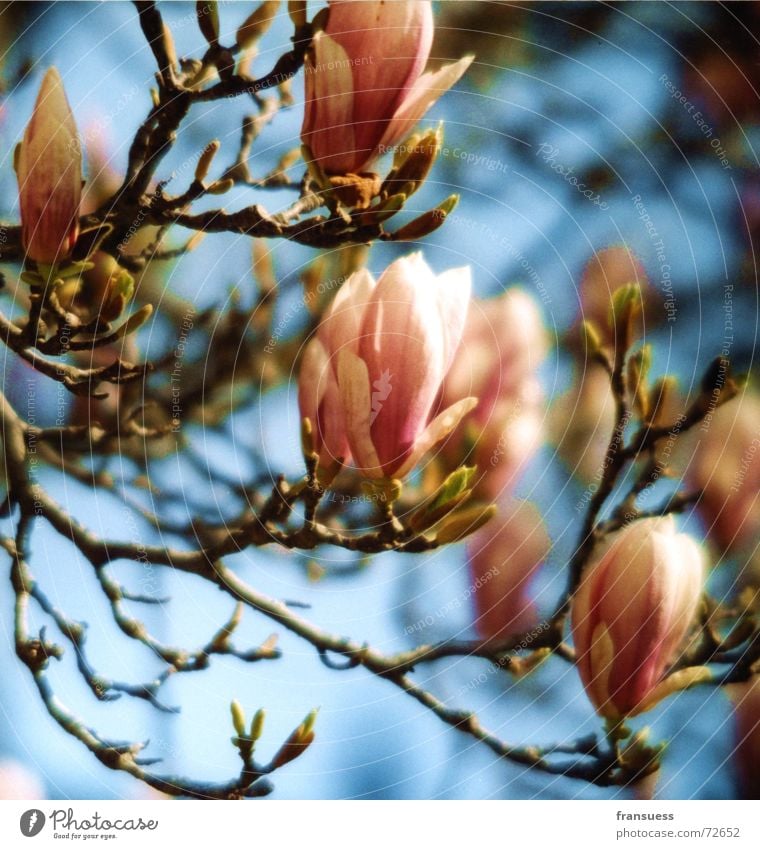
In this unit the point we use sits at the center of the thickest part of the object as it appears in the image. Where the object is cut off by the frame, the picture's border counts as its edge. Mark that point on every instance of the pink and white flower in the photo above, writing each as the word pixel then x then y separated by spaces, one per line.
pixel 365 86
pixel 375 369
pixel 631 614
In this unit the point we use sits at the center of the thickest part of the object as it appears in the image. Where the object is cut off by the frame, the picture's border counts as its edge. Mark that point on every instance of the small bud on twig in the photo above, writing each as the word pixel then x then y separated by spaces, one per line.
pixel 297 12
pixel 205 160
pixel 257 23
pixel 297 743
pixel 426 223
pixel 207 12
pixel 238 717
pixel 463 523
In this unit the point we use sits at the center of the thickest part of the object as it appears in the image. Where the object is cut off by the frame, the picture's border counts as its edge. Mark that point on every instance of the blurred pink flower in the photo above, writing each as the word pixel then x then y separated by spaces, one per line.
pixel 581 423
pixel 319 401
pixel 504 342
pixel 503 558
pixel 726 468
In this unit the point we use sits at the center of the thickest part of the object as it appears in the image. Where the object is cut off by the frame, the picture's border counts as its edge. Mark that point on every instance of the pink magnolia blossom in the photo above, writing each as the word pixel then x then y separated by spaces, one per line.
pixel 631 614
pixel 503 558
pixel 382 351
pixel 49 172
pixel 726 468
pixel 365 86
pixel 504 342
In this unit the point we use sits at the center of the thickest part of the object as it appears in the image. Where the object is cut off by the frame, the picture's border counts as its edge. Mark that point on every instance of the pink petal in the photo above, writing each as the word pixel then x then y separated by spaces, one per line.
pixel 428 88
pixel 312 379
pixel 353 383
pixel 441 426
pixel 341 325
pixel 328 126
pixel 453 289
pixel 403 346
pixel 319 401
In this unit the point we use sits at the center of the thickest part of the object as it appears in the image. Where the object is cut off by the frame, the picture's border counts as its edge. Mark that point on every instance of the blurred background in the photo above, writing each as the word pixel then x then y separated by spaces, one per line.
pixel 589 142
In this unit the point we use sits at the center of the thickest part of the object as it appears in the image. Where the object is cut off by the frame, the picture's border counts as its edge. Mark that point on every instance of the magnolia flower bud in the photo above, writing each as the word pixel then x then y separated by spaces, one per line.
pixel 365 89
pixel 386 347
pixel 503 559
pixel 631 614
pixel 49 171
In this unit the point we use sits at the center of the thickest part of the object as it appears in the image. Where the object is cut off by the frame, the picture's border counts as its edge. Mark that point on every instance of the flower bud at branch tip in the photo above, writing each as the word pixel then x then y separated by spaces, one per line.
pixel 503 558
pixel 238 717
pixel 297 12
pixel 220 187
pixel 636 604
pixel 257 23
pixel 207 13
pixel 49 171
pixel 205 160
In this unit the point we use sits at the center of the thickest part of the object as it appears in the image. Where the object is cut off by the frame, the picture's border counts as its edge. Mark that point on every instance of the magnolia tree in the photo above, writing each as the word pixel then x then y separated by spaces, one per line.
pixel 420 408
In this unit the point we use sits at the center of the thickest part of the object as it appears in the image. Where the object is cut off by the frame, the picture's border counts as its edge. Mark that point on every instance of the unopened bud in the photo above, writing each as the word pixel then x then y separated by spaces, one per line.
pixel 135 321
pixel 297 743
pixel 48 165
pixel 308 724
pixel 171 53
pixel 257 724
pixel 205 160
pixel 238 717
pixel 463 523
pixel 257 23
pixel 297 12
pixel 660 399
pixel 220 187
pixel 388 208
pixel 420 154
pixel 591 338
pixel 624 651
pixel 638 367
pixel 426 223
pixel 307 438
pixel 626 306
pixel 207 13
